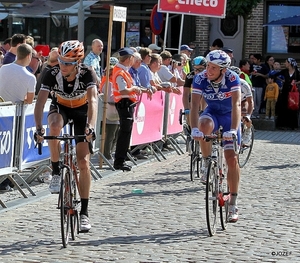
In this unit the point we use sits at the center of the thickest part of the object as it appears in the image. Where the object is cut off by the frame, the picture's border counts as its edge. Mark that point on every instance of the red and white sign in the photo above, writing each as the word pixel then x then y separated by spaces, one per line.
pixel 211 8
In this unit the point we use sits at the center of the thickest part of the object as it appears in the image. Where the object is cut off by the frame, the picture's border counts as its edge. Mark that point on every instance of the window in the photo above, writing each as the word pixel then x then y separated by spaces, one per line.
pixel 283 36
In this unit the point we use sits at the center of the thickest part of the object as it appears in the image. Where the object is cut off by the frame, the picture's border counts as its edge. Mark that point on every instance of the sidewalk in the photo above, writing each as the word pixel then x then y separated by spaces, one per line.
pixel 167 222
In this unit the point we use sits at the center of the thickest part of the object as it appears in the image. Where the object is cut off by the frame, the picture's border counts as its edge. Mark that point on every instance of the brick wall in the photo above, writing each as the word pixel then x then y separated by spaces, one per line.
pixel 254 41
pixel 202 35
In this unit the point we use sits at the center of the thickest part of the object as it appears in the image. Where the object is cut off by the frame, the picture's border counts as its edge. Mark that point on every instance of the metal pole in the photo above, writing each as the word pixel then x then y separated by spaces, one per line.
pixel 166 31
pixel 180 34
pixel 80 33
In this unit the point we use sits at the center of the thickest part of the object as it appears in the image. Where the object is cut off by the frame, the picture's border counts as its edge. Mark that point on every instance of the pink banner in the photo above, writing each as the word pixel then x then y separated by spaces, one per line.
pixel 175 104
pixel 148 119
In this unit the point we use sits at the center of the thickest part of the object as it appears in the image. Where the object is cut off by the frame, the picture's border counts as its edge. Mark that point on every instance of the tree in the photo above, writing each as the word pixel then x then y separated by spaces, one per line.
pixel 244 9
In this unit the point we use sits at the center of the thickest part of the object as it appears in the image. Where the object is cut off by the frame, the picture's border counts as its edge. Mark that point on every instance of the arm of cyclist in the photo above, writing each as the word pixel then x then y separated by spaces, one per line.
pixel 92 99
pixel 194 116
pixel 235 116
pixel 38 114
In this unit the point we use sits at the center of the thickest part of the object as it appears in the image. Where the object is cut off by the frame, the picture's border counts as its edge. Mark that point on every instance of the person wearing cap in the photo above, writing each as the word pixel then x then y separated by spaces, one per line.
pixel 185 49
pixel 154 48
pixel 126 95
pixel 165 73
pixel 229 52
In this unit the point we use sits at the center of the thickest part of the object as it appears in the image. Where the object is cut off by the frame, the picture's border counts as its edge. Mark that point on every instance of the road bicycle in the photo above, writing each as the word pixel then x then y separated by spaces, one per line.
pixel 69 195
pixel 245 150
pixel 193 148
pixel 217 191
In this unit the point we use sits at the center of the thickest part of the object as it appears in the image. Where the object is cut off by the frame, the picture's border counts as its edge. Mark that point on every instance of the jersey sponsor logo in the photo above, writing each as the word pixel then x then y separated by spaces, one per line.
pixel 5 142
pixel 217 96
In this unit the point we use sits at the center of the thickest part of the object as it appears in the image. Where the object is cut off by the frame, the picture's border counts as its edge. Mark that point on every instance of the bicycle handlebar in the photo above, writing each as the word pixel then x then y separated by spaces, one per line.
pixel 65 138
pixel 215 136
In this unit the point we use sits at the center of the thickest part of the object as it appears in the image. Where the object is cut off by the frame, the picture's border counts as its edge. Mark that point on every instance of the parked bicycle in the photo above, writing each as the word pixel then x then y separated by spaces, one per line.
pixel 217 191
pixel 69 195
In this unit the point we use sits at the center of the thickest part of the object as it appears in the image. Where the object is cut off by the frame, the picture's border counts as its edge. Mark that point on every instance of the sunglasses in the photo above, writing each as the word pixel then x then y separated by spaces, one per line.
pixel 67 63
pixel 199 69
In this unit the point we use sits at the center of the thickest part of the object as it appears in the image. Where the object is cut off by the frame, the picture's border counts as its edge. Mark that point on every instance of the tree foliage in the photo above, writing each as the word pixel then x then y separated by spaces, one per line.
pixel 242 8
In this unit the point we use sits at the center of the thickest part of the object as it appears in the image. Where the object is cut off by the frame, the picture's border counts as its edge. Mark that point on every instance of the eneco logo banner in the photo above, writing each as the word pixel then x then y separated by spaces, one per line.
pixel 211 8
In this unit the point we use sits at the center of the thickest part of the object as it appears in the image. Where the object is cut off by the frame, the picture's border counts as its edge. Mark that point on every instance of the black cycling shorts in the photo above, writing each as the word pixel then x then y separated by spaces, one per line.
pixel 78 115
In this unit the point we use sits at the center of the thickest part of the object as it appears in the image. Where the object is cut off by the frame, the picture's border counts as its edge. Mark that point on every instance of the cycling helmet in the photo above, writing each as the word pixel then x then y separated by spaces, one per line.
pixel 113 61
pixel 71 49
pixel 219 57
pixel 199 61
pixel 235 69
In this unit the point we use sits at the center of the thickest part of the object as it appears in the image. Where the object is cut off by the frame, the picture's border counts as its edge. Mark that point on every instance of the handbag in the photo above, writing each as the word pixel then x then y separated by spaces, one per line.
pixel 293 98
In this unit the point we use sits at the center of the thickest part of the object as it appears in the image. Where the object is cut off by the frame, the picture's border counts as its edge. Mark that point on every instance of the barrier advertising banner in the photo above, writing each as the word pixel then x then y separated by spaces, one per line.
pixel 175 104
pixel 148 119
pixel 211 8
pixel 28 153
pixel 7 138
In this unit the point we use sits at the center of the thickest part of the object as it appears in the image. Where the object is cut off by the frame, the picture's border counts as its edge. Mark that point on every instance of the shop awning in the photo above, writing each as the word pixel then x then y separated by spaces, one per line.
pixel 288 21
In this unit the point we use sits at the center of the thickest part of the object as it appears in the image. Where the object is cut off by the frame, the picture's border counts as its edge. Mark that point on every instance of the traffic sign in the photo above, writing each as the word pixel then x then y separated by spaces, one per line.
pixel 156 21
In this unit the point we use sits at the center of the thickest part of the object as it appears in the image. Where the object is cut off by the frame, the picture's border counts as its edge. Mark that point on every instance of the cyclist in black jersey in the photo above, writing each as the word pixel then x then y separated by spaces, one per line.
pixel 74 92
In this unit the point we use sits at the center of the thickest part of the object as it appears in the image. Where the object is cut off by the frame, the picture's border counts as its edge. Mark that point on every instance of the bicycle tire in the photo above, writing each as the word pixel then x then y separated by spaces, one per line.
pixel 224 204
pixel 65 201
pixel 74 211
pixel 245 151
pixel 195 161
pixel 211 197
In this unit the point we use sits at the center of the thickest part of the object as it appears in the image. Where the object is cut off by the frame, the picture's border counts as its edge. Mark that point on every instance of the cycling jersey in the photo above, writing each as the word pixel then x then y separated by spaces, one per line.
pixel 218 99
pixel 245 90
pixel 71 94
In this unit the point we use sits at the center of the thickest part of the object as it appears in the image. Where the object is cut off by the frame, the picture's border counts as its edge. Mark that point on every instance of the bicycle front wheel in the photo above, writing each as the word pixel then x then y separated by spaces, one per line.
pixel 211 197
pixel 75 207
pixel 195 160
pixel 65 204
pixel 245 150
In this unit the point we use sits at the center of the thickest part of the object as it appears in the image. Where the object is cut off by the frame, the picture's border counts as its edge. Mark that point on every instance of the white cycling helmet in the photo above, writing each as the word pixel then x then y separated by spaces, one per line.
pixel 71 49
pixel 235 69
pixel 113 61
pixel 219 57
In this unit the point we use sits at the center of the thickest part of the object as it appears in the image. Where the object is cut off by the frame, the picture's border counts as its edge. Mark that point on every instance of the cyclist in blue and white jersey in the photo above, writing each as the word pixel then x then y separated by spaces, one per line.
pixel 221 90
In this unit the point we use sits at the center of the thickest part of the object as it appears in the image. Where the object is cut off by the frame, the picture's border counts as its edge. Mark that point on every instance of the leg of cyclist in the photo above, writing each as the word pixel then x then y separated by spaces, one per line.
pixel 206 125
pixel 83 156
pixel 55 122
pixel 233 179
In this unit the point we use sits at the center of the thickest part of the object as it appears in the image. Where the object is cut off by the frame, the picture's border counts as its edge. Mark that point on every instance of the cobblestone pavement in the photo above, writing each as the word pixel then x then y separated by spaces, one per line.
pixel 167 222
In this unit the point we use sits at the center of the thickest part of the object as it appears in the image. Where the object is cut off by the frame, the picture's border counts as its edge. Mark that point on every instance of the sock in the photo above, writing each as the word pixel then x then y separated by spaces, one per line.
pixel 84 207
pixel 55 167
pixel 233 197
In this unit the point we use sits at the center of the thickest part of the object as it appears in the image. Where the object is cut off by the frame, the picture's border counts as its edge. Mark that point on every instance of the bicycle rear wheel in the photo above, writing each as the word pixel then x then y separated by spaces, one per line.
pixel 245 150
pixel 195 160
pixel 65 204
pixel 211 197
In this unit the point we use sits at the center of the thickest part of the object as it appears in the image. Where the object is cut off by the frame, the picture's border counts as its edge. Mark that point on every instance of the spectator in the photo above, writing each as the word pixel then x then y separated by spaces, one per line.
pixel 17 85
pixel 280 79
pixel 48 65
pixel 165 73
pixel 5 46
pixel 154 66
pixel 179 72
pixel 217 44
pixel 258 78
pixel 93 58
pixel 112 116
pixel 185 49
pixel 245 71
pixel 229 52
pixel 146 39
pixel 271 96
pixel 143 70
pixel 154 48
pixel 287 119
pixel 16 40
pixel 126 96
